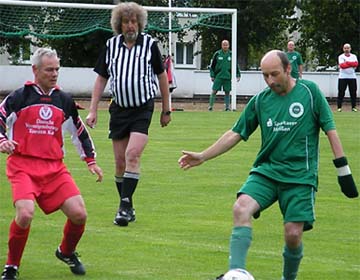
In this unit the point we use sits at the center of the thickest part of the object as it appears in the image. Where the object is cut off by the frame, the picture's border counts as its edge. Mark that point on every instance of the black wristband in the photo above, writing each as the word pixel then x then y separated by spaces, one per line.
pixel 167 113
pixel 340 162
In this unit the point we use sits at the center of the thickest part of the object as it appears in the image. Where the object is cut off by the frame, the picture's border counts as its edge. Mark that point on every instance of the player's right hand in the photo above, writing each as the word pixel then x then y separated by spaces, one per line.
pixel 8 146
pixel 190 159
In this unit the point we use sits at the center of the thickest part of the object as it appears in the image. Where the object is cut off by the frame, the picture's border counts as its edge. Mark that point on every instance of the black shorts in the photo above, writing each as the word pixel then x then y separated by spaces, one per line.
pixel 126 120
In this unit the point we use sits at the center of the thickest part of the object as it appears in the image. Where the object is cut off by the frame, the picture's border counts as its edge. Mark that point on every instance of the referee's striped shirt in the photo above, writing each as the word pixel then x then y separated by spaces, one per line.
pixel 132 72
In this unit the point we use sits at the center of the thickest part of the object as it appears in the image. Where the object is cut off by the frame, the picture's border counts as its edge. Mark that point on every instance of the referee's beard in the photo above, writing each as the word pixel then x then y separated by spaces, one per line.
pixel 131 36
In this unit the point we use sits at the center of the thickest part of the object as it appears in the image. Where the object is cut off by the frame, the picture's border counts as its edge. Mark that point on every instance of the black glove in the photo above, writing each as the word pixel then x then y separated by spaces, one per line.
pixel 345 178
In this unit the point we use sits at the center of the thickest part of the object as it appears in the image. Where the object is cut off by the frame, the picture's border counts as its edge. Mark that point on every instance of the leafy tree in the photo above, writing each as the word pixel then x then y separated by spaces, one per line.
pixel 261 25
pixel 325 25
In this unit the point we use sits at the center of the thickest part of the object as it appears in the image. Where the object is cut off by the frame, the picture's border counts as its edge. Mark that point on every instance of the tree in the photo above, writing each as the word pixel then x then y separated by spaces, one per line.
pixel 261 25
pixel 325 25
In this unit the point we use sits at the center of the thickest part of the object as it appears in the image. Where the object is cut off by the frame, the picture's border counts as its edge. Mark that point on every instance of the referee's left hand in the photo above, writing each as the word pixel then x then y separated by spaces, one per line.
pixel 164 119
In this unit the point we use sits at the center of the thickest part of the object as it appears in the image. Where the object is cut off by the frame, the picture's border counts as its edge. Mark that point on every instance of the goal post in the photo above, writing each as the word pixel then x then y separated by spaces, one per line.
pixel 54 20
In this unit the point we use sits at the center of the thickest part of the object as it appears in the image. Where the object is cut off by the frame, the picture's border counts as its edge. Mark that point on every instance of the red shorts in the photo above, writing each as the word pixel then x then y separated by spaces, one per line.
pixel 46 181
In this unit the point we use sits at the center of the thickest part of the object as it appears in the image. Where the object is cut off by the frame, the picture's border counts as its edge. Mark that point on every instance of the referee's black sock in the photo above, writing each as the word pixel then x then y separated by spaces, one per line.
pixel 128 188
pixel 119 181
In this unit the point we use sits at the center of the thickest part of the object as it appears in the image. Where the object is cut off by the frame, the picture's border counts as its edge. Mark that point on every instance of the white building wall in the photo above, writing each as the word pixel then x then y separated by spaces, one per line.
pixel 80 81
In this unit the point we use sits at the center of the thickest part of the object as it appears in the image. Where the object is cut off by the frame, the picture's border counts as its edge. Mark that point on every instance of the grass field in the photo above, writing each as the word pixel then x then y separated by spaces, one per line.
pixel 184 219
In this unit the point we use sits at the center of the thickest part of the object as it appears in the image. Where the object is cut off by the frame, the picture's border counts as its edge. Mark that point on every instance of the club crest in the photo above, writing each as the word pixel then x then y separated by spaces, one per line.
pixel 45 113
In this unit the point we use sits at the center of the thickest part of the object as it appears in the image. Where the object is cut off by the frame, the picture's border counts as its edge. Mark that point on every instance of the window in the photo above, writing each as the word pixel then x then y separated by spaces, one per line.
pixel 184 54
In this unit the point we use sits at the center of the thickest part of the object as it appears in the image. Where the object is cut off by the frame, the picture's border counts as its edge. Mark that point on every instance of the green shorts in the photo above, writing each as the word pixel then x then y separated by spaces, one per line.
pixel 296 201
pixel 221 84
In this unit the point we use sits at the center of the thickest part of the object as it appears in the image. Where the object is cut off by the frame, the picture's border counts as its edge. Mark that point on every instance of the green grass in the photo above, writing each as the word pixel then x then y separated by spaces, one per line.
pixel 184 219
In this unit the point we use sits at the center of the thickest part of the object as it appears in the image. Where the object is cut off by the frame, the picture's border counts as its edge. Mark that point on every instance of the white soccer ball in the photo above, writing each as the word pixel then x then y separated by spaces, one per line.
pixel 238 274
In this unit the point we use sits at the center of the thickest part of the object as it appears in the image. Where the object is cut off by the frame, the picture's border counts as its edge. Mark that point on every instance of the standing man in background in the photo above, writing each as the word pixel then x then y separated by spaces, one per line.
pixel 131 60
pixel 347 77
pixel 35 116
pixel 220 73
pixel 296 61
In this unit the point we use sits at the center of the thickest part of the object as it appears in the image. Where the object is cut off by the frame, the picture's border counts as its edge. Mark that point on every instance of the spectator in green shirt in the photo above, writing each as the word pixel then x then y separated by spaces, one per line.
pixel 220 73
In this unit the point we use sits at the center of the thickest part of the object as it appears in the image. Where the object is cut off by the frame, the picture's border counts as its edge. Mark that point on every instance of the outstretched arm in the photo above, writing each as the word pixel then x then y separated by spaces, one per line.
pixel 227 141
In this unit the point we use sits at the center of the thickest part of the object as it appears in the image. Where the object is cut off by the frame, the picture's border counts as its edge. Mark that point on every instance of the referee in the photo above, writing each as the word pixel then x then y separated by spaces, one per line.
pixel 131 61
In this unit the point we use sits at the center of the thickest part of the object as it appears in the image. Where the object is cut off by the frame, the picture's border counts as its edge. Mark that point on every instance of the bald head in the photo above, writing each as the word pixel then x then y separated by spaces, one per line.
pixel 347 48
pixel 291 46
pixel 225 45
pixel 275 57
pixel 275 68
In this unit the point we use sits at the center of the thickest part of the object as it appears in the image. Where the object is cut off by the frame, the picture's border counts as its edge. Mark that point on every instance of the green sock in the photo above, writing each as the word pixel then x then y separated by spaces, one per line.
pixel 239 245
pixel 212 99
pixel 292 258
pixel 227 100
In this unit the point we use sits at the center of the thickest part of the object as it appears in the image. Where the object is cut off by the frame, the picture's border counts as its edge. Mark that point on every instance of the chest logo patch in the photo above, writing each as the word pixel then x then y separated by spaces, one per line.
pixel 45 113
pixel 296 110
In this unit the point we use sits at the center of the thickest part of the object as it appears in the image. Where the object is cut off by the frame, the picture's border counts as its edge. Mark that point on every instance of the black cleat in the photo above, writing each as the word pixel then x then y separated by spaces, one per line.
pixel 72 261
pixel 220 277
pixel 124 217
pixel 10 272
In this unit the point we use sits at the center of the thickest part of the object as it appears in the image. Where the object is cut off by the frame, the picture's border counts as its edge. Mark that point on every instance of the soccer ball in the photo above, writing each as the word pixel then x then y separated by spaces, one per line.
pixel 238 274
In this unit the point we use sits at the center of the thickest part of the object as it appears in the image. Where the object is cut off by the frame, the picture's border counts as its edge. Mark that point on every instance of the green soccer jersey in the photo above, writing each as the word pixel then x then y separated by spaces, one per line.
pixel 290 127
pixel 221 65
pixel 295 59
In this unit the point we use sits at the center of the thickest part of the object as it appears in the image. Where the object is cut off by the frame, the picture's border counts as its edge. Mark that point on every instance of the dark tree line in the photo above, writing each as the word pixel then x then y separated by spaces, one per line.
pixel 323 26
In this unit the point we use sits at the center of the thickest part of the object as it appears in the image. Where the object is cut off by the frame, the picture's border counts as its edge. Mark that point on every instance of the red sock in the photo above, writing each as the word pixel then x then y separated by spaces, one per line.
pixel 72 235
pixel 17 241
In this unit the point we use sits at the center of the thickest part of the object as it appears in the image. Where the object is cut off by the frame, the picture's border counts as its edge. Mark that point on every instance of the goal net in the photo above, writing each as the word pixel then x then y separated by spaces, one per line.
pixel 61 20
pixel 55 20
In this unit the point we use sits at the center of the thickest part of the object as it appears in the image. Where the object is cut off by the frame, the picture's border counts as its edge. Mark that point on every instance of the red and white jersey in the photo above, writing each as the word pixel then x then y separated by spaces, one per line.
pixel 36 121
pixel 347 65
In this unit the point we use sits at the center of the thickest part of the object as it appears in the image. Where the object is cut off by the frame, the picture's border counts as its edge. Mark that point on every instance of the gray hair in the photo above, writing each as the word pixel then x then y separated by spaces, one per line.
pixel 40 53
pixel 128 9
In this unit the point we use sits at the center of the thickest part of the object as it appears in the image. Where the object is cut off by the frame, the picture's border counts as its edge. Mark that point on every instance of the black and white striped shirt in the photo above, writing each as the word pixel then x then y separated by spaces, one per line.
pixel 132 72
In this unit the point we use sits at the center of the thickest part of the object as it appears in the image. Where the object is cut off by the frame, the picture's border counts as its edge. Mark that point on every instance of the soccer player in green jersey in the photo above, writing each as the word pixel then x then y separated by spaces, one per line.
pixel 295 59
pixel 290 114
pixel 220 74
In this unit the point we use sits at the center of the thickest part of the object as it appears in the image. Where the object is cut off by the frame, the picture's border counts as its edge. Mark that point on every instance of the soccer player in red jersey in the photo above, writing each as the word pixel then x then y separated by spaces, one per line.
pixel 32 121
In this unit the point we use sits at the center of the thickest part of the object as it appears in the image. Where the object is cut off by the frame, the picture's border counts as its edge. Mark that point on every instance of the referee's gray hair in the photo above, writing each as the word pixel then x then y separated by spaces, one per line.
pixel 128 9
pixel 40 53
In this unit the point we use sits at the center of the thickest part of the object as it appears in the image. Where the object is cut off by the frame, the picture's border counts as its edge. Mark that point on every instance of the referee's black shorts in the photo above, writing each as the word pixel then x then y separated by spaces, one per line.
pixel 126 120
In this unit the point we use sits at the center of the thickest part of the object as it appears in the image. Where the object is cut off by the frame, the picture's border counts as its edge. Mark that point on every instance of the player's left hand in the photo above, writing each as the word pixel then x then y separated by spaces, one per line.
pixel 95 169
pixel 345 178
pixel 165 120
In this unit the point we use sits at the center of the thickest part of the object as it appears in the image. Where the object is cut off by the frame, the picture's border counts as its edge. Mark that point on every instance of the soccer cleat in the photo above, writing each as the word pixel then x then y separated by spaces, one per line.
pixel 354 109
pixel 72 261
pixel 10 272
pixel 227 109
pixel 210 108
pixel 339 110
pixel 220 277
pixel 124 217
